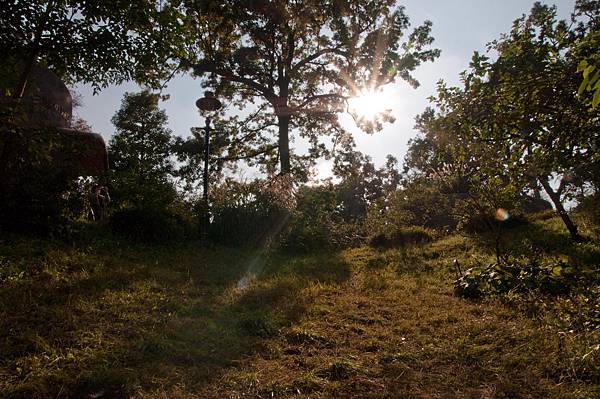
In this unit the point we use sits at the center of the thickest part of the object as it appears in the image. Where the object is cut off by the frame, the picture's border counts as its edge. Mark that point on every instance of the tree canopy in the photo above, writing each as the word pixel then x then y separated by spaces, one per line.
pixel 140 151
pixel 518 121
pixel 296 63
pixel 91 41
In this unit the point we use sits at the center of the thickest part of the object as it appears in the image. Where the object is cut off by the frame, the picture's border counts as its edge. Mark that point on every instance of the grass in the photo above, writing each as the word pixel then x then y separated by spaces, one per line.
pixel 109 319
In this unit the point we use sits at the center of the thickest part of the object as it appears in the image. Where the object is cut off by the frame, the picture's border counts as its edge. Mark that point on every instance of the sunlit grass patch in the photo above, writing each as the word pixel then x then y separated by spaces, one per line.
pixel 174 322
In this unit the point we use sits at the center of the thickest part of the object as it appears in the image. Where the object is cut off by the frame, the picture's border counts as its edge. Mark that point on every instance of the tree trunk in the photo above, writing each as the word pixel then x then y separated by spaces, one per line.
pixel 32 57
pixel 24 78
pixel 284 143
pixel 560 210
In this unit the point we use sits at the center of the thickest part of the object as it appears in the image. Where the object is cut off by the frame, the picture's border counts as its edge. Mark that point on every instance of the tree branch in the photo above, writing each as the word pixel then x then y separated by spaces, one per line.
pixel 312 57
pixel 208 66
pixel 248 156
pixel 318 97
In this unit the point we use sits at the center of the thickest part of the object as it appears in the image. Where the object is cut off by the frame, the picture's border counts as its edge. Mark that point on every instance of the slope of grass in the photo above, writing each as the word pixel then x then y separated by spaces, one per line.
pixel 109 319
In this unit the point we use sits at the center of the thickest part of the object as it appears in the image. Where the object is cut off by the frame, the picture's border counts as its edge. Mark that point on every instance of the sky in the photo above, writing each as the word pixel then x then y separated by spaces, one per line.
pixel 459 28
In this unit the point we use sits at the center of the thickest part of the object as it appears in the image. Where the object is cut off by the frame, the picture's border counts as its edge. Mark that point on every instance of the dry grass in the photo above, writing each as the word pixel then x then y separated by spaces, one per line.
pixel 110 320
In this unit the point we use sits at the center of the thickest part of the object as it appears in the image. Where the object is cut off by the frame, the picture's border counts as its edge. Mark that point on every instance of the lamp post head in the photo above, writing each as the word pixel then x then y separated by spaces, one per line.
pixel 208 102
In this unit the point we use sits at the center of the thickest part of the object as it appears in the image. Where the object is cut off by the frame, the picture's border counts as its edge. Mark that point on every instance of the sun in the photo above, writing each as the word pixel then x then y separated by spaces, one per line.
pixel 368 104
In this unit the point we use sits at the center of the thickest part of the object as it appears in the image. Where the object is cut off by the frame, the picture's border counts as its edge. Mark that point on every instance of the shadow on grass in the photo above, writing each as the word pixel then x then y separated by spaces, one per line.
pixel 121 320
pixel 547 236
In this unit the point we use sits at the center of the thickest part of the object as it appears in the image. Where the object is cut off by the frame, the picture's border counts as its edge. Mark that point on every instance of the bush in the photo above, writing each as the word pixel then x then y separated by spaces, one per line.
pixel 420 203
pixel 484 223
pixel 246 214
pixel 538 287
pixel 151 225
pixel 401 237
pixel 35 181
pixel 316 223
pixel 551 277
pixel 257 214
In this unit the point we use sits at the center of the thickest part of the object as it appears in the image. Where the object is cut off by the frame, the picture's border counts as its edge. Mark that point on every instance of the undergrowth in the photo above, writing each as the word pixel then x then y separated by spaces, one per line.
pixel 106 318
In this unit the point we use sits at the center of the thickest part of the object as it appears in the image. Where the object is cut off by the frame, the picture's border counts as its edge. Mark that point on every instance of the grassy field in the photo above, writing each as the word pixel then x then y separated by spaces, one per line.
pixel 109 319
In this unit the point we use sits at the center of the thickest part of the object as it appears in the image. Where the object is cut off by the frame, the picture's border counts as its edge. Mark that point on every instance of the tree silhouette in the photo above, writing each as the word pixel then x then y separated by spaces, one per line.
pixel 93 41
pixel 297 63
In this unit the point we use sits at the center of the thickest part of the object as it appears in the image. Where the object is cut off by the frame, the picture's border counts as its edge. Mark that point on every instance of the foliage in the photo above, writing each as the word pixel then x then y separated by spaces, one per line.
pixel 140 154
pixel 90 41
pixel 317 223
pixel 401 236
pixel 504 132
pixel 519 275
pixel 298 62
pixel 81 41
pixel 40 195
pixel 587 51
pixel 453 180
pixel 247 214
pixel 361 183
pixel 37 206
pixel 590 82
pixel 528 279
pixel 254 214
pixel 417 203
pixel 152 225
pixel 189 152
pixel 529 120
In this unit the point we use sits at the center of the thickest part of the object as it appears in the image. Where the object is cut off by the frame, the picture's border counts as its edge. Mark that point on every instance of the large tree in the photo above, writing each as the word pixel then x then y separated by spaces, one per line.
pixel 92 41
pixel 518 117
pixel 296 63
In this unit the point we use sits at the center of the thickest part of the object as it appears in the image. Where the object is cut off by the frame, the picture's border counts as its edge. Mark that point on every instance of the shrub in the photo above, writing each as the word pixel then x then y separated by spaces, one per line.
pixel 401 236
pixel 419 204
pixel 484 223
pixel 246 214
pixel 316 223
pixel 551 277
pixel 151 224
pixel 256 214
pixel 538 286
pixel 264 325
pixel 34 180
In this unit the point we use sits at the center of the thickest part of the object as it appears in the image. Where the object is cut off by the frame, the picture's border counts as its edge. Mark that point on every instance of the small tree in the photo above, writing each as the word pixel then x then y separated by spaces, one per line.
pixel 140 152
pixel 462 180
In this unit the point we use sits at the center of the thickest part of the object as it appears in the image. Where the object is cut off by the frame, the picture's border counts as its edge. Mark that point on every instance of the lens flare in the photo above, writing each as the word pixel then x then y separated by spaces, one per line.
pixel 502 215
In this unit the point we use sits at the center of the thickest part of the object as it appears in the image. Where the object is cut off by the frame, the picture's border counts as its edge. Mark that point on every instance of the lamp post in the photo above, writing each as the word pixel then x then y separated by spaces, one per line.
pixel 207 103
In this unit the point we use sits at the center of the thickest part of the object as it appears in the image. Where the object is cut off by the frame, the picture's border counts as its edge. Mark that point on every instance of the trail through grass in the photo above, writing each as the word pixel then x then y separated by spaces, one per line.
pixel 110 320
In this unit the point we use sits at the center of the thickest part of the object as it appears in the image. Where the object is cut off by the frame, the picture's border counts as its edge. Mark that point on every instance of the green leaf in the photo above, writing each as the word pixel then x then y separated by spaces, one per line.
pixel 582 87
pixel 596 99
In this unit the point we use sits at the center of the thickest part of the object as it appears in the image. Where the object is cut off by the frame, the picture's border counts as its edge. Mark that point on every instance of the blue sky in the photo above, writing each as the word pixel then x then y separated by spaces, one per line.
pixel 459 28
